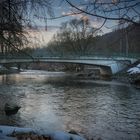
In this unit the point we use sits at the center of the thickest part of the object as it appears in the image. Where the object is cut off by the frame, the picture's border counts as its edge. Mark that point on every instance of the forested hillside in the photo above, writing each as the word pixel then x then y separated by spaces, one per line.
pixel 111 43
pixel 116 41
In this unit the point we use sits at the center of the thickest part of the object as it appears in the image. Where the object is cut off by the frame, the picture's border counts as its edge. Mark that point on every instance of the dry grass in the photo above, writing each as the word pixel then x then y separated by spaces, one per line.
pixel 30 136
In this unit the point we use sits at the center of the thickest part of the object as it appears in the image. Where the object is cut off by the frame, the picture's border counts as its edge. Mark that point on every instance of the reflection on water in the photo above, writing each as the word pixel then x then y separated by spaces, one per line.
pixel 58 101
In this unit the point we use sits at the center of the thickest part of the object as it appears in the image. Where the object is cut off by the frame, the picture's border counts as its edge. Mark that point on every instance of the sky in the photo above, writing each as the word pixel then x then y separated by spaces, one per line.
pixel 60 8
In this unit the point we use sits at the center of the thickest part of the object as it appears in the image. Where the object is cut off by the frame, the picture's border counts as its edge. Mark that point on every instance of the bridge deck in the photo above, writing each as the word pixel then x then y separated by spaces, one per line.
pixel 115 64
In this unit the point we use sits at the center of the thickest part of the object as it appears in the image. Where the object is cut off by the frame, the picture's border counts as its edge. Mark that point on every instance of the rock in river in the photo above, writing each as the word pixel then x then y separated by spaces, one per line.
pixel 11 109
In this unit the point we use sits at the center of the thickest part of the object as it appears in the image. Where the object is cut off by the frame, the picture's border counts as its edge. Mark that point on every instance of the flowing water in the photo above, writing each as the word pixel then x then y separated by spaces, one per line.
pixel 58 101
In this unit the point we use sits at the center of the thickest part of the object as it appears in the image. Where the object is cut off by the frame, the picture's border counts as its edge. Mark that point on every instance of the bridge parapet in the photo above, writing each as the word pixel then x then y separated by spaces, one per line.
pixel 115 64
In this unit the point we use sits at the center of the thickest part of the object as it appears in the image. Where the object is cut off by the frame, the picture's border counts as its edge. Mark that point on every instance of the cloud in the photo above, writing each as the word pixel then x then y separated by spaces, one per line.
pixel 94 22
pixel 71 14
pixel 41 36
pixel 59 7
pixel 64 13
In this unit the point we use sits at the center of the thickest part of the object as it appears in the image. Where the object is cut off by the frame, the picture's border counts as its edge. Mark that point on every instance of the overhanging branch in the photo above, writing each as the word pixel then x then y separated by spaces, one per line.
pixel 103 17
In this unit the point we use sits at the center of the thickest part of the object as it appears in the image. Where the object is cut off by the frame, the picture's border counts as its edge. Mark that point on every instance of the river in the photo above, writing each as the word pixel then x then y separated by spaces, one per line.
pixel 59 101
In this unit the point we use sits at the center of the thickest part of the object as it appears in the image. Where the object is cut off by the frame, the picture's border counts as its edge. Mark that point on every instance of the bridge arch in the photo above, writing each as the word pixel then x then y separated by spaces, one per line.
pixel 108 66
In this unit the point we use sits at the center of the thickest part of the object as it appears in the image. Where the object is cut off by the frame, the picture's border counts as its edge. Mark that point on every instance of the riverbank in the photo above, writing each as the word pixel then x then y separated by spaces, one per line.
pixel 131 75
pixel 16 133
pixel 128 76
pixel 10 70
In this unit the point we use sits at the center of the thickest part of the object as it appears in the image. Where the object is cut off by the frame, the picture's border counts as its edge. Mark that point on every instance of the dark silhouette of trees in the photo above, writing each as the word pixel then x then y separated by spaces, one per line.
pixel 14 16
pixel 74 37
pixel 10 26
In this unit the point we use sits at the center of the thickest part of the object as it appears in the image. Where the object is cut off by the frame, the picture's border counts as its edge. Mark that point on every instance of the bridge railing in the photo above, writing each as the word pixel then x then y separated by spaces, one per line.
pixel 70 56
pixel 87 56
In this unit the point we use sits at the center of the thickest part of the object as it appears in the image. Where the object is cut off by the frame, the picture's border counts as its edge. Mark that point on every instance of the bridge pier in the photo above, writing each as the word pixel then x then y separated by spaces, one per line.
pixel 18 66
pixel 6 66
pixel 118 66
pixel 105 71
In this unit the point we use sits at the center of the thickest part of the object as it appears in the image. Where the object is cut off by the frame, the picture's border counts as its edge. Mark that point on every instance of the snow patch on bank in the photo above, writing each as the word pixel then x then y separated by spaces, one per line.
pixel 134 70
pixel 57 135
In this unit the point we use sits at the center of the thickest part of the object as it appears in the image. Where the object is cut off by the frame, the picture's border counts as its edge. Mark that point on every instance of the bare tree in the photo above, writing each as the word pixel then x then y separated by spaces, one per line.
pixel 15 15
pixel 75 37
pixel 123 11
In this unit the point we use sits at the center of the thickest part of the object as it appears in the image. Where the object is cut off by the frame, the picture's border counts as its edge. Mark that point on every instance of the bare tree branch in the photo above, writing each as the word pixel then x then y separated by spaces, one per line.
pixel 103 16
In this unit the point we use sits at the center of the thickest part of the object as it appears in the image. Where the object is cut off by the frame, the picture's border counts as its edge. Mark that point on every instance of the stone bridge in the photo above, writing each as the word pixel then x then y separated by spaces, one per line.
pixel 107 65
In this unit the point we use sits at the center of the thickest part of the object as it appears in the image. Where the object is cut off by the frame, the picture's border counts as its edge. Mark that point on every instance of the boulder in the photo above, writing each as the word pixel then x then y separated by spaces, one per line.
pixel 11 109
